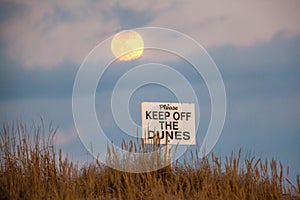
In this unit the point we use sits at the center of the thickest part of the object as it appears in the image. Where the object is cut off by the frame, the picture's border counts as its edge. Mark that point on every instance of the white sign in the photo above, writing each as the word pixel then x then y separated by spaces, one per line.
pixel 174 122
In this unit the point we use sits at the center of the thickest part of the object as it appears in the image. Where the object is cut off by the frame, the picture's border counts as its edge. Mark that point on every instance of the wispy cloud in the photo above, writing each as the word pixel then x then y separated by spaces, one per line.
pixel 231 22
pixel 46 33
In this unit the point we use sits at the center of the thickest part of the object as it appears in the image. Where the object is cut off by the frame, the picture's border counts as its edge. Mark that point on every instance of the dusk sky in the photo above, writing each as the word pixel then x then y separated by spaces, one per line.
pixel 255 45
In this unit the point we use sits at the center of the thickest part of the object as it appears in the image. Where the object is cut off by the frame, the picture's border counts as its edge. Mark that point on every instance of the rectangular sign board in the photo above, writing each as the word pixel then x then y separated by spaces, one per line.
pixel 172 123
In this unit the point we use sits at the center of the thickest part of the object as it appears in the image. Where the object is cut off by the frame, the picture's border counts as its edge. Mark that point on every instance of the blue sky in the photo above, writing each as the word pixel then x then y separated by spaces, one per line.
pixel 255 44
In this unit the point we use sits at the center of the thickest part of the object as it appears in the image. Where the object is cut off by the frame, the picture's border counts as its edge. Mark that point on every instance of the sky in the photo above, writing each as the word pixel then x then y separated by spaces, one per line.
pixel 255 45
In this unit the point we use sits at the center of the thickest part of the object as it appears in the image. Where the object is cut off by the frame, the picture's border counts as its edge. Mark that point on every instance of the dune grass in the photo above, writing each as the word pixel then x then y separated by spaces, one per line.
pixel 32 168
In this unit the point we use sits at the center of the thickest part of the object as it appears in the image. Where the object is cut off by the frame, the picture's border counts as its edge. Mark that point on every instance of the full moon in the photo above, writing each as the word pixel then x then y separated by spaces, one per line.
pixel 127 45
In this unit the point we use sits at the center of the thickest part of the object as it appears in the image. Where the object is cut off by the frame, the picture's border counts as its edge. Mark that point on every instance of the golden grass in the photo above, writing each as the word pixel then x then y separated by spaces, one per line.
pixel 31 168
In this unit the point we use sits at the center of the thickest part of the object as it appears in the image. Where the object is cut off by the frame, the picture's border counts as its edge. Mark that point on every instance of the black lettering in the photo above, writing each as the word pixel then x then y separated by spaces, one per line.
pixel 182 115
pixel 175 125
pixel 168 124
pixel 148 115
pixel 167 114
pixel 186 135
pixel 169 135
pixel 178 135
pixel 167 107
pixel 188 114
pixel 154 115
pixel 160 137
pixel 161 115
pixel 150 132
pixel 176 115
pixel 161 124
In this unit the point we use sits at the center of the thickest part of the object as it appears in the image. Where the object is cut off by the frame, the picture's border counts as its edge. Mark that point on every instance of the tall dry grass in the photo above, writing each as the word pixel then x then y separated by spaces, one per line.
pixel 32 168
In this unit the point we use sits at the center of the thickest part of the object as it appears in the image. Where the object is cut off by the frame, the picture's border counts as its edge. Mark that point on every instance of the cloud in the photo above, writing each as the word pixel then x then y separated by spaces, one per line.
pixel 130 18
pixel 45 34
pixel 48 33
pixel 278 53
pixel 231 22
